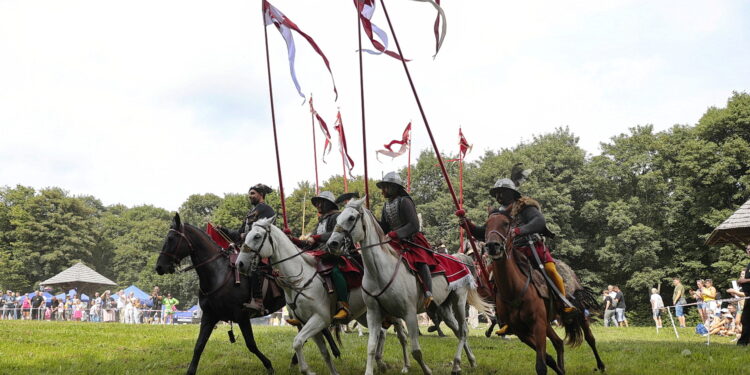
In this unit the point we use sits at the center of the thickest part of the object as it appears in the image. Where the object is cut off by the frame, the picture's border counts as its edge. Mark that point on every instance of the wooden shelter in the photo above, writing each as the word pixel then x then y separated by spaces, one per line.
pixel 79 277
pixel 734 230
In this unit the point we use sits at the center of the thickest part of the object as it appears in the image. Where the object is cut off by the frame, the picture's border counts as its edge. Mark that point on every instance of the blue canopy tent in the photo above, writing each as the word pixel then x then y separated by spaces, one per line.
pixel 47 297
pixel 186 316
pixel 141 295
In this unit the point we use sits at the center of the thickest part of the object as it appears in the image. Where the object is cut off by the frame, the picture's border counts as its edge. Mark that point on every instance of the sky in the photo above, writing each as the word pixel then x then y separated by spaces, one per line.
pixel 148 102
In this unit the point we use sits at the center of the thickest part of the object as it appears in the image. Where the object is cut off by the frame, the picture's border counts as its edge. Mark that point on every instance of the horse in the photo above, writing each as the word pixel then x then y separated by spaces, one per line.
pixel 219 297
pixel 391 291
pixel 305 290
pixel 519 304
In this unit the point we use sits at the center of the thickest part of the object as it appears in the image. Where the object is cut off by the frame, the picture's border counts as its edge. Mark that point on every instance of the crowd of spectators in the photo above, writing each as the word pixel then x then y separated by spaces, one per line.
pixel 105 307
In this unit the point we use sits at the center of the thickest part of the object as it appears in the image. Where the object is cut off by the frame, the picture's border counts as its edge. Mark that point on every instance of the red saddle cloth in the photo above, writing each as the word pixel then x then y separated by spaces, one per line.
pixel 454 271
pixel 541 249
pixel 351 270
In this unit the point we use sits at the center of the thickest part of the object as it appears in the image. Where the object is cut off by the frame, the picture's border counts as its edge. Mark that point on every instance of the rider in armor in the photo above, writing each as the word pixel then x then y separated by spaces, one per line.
pixel 328 211
pixel 528 222
pixel 260 210
pixel 401 223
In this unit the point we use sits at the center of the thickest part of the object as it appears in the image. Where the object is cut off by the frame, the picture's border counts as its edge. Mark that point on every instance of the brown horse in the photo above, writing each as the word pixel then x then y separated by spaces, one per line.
pixel 527 314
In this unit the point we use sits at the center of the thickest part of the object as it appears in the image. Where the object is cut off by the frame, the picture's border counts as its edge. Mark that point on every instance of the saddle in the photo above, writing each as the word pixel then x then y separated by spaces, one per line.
pixel 571 281
pixel 350 267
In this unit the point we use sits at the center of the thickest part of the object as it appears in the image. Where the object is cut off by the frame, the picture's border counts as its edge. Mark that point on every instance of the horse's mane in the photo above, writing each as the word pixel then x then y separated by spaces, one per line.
pixel 372 223
pixel 267 224
pixel 203 235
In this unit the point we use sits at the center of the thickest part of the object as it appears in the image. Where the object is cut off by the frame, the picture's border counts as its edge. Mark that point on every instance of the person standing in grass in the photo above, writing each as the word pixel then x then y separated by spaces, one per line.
pixel 744 283
pixel 620 307
pixel 678 300
pixel 170 306
pixel 657 304
pixel 609 309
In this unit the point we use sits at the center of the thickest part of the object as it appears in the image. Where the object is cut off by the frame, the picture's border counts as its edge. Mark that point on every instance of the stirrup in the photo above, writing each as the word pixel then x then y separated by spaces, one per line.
pixel 502 330
pixel 254 305
pixel 427 300
pixel 569 309
pixel 343 311
pixel 294 322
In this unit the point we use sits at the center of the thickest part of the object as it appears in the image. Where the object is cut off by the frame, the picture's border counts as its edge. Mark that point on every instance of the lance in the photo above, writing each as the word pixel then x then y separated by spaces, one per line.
pixel 362 102
pixel 273 121
pixel 315 147
pixel 460 188
pixel 477 256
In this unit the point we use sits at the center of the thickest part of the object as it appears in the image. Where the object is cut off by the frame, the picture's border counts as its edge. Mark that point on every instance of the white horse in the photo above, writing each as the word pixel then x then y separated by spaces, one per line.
pixel 304 289
pixel 391 291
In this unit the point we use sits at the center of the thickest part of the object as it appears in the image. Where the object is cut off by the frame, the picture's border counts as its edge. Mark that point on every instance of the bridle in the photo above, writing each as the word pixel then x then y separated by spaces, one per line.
pixel 347 233
pixel 191 252
pixel 505 239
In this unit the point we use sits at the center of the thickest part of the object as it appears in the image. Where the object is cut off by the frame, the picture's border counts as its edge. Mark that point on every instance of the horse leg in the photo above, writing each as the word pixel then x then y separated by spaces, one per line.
pixel 379 351
pixel 313 326
pixel 320 341
pixel 548 358
pixel 465 329
pixel 399 327
pixel 559 346
pixel 589 336
pixel 247 333
pixel 374 325
pixel 413 327
pixel 207 327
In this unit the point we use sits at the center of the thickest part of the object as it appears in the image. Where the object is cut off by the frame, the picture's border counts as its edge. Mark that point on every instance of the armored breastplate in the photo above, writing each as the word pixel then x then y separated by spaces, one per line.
pixel 391 213
pixel 322 226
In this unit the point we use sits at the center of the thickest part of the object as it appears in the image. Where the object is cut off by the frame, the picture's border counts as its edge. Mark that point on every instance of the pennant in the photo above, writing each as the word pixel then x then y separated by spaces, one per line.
pixel 339 127
pixel 463 145
pixel 323 129
pixel 439 36
pixel 285 27
pixel 404 142
pixel 217 236
pixel 366 9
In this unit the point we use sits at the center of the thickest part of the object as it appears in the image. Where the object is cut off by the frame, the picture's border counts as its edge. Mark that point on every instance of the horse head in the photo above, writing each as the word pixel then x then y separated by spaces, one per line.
pixel 176 247
pixel 347 232
pixel 258 244
pixel 496 231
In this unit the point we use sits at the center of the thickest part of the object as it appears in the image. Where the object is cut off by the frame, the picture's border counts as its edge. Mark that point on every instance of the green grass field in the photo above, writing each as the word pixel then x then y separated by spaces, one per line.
pixel 95 348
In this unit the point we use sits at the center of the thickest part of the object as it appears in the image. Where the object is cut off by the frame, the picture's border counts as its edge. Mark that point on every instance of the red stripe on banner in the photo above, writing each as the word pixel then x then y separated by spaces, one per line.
pixel 342 143
pixel 290 24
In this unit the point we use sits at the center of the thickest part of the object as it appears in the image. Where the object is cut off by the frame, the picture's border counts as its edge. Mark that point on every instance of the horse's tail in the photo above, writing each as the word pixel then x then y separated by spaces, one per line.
pixel 332 343
pixel 584 299
pixel 474 299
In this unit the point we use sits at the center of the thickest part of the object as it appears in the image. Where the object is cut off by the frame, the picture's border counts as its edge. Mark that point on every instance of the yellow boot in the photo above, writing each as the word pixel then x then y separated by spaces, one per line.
pixel 558 280
pixel 294 322
pixel 502 330
pixel 343 313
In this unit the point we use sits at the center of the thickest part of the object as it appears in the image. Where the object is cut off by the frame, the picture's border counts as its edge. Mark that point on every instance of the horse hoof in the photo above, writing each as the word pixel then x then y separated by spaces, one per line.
pixel 456 372
pixel 270 371
pixel 405 370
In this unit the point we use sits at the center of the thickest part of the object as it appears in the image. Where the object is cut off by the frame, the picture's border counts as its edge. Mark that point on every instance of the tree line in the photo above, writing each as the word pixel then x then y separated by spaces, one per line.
pixel 635 215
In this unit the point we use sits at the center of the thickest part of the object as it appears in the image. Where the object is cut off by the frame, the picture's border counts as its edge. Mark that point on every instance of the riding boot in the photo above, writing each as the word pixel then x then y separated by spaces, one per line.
pixel 256 291
pixel 342 293
pixel 426 276
pixel 558 280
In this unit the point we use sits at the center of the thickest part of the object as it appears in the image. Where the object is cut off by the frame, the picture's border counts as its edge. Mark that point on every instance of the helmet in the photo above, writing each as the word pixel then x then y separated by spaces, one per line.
pixel 391 178
pixel 325 196
pixel 346 197
pixel 504 183
pixel 261 189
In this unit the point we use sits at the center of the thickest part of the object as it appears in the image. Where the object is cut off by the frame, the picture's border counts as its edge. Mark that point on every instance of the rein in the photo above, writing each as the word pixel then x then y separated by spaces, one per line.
pixel 218 255
pixel 508 255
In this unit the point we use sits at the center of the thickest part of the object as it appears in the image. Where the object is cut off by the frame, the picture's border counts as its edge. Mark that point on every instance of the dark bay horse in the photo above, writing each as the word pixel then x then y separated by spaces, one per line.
pixel 519 304
pixel 219 298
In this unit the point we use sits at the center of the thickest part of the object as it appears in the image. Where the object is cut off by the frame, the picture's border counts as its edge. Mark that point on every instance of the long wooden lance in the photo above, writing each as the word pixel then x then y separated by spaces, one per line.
pixel 273 121
pixel 315 148
pixel 362 104
pixel 477 256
